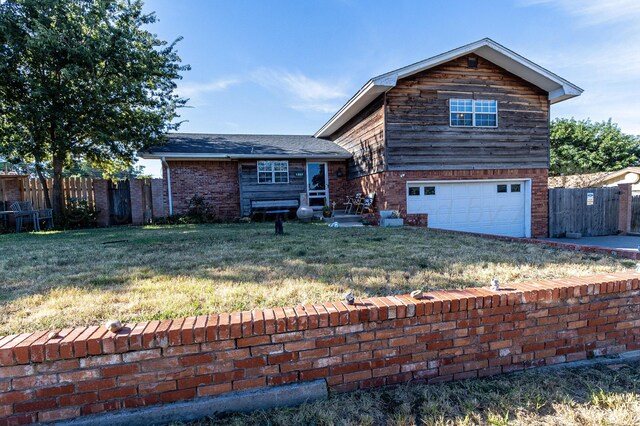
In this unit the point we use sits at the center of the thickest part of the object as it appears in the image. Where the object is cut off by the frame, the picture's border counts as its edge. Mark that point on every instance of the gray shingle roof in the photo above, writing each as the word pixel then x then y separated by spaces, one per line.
pixel 203 145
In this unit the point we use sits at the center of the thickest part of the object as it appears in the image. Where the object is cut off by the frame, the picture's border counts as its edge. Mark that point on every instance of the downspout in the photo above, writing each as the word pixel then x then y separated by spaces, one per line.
pixel 164 163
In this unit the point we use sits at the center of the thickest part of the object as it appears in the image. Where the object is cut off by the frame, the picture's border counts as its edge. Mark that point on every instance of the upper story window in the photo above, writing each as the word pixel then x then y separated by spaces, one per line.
pixel 273 172
pixel 470 112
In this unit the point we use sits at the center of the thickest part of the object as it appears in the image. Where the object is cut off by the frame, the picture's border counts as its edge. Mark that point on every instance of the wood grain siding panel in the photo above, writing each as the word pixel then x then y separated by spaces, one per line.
pixel 417 121
pixel 363 136
pixel 250 189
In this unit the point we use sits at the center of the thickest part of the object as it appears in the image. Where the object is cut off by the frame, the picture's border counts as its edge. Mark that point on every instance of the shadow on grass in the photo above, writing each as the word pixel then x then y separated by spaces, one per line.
pixel 581 396
pixel 367 261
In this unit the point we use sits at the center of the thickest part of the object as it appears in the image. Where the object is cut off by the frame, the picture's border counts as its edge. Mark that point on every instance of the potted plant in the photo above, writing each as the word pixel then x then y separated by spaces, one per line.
pixel 326 211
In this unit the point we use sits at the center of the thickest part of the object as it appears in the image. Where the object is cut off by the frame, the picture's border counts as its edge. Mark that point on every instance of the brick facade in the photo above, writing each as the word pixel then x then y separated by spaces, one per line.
pixel 216 181
pixel 449 335
pixel 390 188
pixel 338 186
pixel 101 200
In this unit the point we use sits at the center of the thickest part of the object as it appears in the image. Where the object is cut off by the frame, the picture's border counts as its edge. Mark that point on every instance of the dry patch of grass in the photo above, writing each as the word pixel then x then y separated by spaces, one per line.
pixel 576 397
pixel 59 279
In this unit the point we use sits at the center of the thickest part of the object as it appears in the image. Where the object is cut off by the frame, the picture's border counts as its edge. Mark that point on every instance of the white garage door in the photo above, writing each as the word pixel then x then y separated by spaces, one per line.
pixel 488 207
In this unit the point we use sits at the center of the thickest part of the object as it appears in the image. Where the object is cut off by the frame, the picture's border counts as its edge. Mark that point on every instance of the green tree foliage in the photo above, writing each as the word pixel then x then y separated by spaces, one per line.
pixel 585 147
pixel 83 80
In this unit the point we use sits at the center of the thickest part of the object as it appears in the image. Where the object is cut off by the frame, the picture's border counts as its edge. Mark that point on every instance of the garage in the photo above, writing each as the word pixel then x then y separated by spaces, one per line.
pixel 499 207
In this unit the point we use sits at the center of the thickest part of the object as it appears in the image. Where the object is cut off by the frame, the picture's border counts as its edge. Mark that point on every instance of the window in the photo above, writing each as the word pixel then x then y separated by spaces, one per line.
pixel 273 172
pixel 515 187
pixel 414 190
pixel 429 190
pixel 469 112
pixel 502 188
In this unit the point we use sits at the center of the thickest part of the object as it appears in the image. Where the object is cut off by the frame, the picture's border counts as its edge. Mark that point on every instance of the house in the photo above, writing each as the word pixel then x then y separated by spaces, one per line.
pixel 462 137
pixel 601 179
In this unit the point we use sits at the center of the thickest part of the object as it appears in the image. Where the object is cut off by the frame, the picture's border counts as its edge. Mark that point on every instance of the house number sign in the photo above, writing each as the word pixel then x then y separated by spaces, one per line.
pixel 589 198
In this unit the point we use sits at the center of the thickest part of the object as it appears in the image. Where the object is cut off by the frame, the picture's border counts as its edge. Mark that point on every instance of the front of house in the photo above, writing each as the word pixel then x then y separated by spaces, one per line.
pixel 462 137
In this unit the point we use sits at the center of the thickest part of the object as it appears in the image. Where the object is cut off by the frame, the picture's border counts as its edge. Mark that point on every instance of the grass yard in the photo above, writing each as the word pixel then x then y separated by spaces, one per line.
pixel 59 279
pixel 578 397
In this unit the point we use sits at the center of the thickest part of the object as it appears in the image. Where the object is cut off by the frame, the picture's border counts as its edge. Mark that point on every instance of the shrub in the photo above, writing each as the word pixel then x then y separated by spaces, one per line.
pixel 200 211
pixel 78 213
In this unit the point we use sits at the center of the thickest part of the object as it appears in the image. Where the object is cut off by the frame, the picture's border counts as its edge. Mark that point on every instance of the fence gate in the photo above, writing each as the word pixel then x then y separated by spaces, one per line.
pixel 147 201
pixel 589 211
pixel 119 203
pixel 635 213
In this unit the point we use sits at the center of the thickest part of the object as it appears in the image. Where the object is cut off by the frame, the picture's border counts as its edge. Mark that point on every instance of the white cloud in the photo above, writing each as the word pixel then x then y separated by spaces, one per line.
pixel 597 12
pixel 192 89
pixel 304 93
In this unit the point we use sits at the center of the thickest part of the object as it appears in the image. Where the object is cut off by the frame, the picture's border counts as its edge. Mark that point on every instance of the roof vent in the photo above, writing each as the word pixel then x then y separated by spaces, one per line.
pixel 472 62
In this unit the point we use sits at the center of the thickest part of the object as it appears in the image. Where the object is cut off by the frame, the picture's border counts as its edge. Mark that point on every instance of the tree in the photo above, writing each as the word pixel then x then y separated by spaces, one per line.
pixel 584 147
pixel 83 80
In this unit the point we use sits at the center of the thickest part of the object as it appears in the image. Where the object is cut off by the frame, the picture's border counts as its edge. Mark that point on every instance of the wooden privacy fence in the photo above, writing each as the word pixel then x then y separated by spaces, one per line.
pixel 80 188
pixel 589 211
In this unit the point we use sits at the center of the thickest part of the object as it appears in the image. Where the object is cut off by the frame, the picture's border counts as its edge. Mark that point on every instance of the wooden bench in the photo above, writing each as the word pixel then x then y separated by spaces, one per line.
pixel 273 206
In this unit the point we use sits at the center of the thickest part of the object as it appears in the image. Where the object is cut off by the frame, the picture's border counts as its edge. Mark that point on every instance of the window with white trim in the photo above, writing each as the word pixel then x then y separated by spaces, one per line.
pixel 273 172
pixel 470 113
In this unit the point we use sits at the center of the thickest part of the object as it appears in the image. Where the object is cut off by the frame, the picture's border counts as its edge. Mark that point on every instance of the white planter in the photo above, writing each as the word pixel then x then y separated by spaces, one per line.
pixel 304 213
pixel 386 214
pixel 392 222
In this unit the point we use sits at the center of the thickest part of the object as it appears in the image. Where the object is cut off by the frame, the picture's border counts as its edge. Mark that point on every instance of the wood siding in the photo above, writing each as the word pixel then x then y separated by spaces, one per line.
pixel 363 136
pixel 250 189
pixel 419 136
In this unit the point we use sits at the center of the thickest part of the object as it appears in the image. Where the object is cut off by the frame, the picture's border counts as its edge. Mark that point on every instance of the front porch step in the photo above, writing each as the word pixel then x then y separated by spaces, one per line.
pixel 343 218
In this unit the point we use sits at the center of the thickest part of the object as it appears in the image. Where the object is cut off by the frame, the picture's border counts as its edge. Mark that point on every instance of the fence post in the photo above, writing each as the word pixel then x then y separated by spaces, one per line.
pixel 101 199
pixel 624 212
pixel 137 200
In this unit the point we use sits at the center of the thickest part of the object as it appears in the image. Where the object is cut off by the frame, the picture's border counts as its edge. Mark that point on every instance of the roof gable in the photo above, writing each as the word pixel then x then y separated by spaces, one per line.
pixel 558 88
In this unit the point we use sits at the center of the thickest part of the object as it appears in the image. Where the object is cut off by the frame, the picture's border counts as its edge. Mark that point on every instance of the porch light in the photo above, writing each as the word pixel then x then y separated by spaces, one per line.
pixel 339 173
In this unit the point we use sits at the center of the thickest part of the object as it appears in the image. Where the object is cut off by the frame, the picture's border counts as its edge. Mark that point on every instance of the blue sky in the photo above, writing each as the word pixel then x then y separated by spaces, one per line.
pixel 284 67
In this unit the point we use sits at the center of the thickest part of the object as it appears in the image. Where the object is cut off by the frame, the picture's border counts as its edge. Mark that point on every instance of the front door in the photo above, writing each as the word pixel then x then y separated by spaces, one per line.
pixel 317 185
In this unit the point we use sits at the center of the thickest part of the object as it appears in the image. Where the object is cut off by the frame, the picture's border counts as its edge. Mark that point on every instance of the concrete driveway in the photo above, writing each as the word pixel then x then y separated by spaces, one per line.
pixel 618 242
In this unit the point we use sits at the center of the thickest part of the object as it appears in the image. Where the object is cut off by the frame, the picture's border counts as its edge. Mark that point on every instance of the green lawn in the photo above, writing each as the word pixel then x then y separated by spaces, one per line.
pixel 582 396
pixel 58 279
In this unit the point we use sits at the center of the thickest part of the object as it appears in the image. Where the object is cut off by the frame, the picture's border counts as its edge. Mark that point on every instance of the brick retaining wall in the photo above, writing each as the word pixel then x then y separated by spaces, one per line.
pixel 456 334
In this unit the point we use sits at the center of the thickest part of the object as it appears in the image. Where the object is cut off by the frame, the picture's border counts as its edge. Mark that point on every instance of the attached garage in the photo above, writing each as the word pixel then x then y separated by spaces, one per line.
pixel 498 207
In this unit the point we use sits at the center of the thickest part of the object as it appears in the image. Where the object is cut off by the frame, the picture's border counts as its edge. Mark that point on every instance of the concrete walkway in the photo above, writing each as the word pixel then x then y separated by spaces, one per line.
pixel 618 242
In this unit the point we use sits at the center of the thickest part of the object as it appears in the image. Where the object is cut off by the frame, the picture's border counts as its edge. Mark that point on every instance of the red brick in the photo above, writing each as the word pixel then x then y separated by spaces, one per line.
pixel 249 383
pixel 192 382
pixel 101 407
pixel 283 379
pixel 214 389
pixel 16 371
pixel 250 362
pixel 253 341
pixel 235 325
pixel 40 405
pixel 196 359
pixel 11 397
pixel 141 401
pixel 357 376
pixel 78 399
pixel 158 387
pixel 54 391
pixel 120 370
pixel 178 395
pixel 187 334
pixel 60 414
pixel 117 393
pixel 95 385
